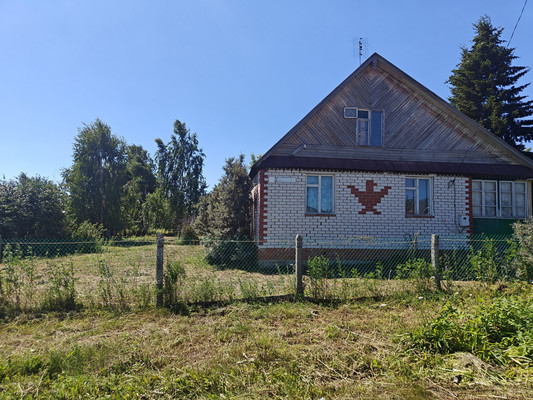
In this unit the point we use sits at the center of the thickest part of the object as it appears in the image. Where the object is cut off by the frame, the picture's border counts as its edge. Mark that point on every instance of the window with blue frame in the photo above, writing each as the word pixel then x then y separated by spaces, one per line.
pixel 319 199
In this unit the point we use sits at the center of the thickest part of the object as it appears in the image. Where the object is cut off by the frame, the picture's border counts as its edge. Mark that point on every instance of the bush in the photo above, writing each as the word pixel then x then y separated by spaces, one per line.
pixel 419 271
pixel 318 271
pixel 524 254
pixel 91 235
pixel 499 330
pixel 235 253
pixel 172 281
pixel 188 236
pixel 61 294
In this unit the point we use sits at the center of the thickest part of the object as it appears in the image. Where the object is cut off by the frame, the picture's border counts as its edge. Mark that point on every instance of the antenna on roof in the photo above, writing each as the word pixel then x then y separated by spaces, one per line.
pixel 360 48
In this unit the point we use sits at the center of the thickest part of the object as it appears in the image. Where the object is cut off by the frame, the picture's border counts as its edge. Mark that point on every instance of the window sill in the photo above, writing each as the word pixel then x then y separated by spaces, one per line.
pixel 419 216
pixel 319 215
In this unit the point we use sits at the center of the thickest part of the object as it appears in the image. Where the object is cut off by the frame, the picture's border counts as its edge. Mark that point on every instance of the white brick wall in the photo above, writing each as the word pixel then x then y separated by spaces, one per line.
pixel 286 215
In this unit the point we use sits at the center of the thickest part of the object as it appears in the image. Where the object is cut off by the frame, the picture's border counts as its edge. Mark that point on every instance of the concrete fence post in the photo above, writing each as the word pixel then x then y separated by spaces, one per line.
pixel 299 266
pixel 435 260
pixel 159 271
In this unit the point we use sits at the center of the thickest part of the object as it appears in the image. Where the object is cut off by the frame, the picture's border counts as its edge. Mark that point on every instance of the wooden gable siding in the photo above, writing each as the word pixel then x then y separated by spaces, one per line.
pixel 414 129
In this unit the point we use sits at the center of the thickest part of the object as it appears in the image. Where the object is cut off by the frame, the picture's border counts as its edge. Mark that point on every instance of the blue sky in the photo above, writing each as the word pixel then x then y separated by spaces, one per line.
pixel 239 73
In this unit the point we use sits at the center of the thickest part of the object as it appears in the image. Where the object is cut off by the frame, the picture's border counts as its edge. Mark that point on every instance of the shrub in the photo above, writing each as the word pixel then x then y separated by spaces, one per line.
pixel 61 294
pixel 499 330
pixel 485 261
pixel 188 236
pixel 419 271
pixel 236 253
pixel 91 235
pixel 172 280
pixel 523 231
pixel 318 271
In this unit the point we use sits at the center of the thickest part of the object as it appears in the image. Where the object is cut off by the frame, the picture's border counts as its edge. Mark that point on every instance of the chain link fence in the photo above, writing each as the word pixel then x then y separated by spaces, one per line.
pixel 121 273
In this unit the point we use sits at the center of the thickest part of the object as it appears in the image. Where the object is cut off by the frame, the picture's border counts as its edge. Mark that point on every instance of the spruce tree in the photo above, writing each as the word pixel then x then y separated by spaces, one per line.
pixel 484 86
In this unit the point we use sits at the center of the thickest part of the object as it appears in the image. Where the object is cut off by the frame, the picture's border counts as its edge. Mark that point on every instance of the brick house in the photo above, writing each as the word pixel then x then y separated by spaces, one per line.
pixel 383 156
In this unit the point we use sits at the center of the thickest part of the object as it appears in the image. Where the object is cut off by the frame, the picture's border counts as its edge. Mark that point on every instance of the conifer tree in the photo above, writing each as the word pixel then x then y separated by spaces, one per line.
pixel 226 212
pixel 485 86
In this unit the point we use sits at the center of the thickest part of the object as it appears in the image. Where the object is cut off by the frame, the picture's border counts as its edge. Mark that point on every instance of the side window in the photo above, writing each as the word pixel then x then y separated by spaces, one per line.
pixel 418 196
pixel 485 198
pixel 512 199
pixel 319 197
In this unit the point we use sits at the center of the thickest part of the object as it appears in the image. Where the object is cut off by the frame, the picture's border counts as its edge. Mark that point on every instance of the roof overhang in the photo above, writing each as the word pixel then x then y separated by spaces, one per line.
pixel 344 164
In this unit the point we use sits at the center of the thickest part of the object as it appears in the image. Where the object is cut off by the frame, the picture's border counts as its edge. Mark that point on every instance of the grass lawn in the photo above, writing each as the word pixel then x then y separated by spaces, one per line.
pixel 116 345
pixel 294 350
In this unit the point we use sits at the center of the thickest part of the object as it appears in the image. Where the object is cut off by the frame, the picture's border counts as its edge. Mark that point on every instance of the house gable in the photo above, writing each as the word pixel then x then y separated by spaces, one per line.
pixel 418 128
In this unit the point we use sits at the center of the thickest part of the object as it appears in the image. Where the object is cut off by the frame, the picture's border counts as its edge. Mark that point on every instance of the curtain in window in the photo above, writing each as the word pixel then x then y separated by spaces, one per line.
pixel 326 194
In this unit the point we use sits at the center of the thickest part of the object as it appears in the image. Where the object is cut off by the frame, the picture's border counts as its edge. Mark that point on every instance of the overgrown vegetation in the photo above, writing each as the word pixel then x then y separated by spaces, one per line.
pixel 497 329
pixel 84 326
pixel 362 349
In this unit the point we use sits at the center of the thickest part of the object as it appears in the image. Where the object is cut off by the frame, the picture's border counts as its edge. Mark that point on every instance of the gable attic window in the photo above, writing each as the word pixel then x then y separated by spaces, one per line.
pixel 369 125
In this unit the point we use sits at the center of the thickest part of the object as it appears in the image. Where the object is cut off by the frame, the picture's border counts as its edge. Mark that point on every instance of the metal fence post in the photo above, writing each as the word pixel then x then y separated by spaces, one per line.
pixel 435 260
pixel 298 265
pixel 159 271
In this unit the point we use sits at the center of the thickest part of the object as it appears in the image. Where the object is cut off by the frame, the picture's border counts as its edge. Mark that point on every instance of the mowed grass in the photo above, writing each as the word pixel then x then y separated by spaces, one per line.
pixel 352 343
pixel 287 350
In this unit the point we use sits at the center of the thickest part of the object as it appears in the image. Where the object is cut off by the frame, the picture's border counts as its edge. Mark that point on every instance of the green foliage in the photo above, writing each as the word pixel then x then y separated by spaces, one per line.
pixel 179 172
pixel 484 262
pixel 90 237
pixel 188 236
pixel 235 253
pixel 96 177
pixel 157 210
pixel 141 182
pixel 31 207
pixel 524 252
pixel 225 213
pixel 61 293
pixel 485 87
pixel 318 271
pixel 17 282
pixel 419 271
pixel 112 290
pixel 173 280
pixel 499 330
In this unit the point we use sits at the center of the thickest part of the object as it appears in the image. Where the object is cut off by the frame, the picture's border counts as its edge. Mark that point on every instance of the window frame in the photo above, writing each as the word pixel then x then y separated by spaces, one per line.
pixel 319 196
pixel 416 190
pixel 499 195
pixel 367 142
pixel 483 192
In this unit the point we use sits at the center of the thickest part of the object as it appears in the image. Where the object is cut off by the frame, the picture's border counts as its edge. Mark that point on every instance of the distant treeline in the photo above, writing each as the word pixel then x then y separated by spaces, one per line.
pixel 113 189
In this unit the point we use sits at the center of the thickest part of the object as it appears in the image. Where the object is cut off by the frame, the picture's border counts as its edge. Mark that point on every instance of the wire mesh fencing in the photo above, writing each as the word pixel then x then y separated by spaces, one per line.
pixel 121 274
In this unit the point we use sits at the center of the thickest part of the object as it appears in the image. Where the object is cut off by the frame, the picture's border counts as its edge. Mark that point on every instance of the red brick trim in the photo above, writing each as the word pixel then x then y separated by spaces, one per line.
pixel 369 199
pixel 263 205
pixel 469 208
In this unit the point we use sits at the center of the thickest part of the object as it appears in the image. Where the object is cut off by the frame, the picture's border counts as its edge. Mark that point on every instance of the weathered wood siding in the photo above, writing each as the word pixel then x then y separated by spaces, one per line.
pixel 414 129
